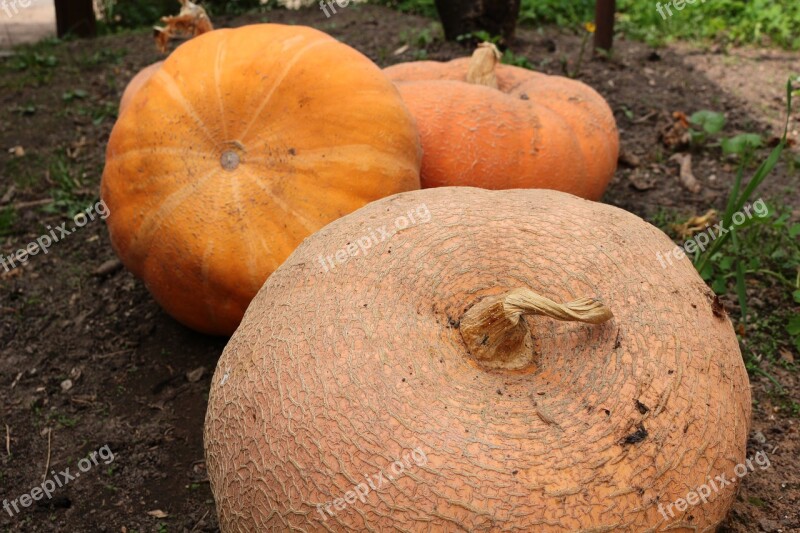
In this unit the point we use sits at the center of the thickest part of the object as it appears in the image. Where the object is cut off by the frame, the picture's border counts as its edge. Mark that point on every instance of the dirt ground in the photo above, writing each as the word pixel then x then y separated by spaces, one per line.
pixel 87 358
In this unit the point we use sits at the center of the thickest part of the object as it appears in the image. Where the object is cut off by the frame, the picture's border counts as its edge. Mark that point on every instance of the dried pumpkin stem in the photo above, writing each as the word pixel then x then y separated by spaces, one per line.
pixel 482 65
pixel 190 22
pixel 497 338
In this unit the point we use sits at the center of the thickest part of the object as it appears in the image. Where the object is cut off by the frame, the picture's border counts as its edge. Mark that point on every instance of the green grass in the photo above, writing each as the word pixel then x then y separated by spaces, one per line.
pixel 739 21
pixel 37 62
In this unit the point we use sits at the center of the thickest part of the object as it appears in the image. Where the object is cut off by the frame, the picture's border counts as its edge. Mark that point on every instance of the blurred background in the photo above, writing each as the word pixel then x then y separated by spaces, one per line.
pixel 761 22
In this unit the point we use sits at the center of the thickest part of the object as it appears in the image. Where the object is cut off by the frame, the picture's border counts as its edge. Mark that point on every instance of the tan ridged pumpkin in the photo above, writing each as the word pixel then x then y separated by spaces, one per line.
pixel 512 361
pixel 241 145
pixel 498 126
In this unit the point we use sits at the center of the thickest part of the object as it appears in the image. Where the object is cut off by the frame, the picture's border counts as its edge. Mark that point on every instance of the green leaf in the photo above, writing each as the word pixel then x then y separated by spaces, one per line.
pixel 726 263
pixel 711 121
pixel 741 293
pixel 796 295
pixel 794 325
pixel 720 286
pixel 708 272
pixel 741 143
pixel 794 231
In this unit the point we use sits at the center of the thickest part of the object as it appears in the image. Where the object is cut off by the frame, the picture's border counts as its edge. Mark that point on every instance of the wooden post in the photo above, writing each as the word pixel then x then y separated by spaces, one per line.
pixel 75 17
pixel 496 17
pixel 604 22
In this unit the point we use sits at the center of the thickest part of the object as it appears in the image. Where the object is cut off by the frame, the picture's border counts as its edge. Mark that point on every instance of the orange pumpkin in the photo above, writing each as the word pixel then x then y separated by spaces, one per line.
pixel 137 83
pixel 241 145
pixel 435 383
pixel 497 126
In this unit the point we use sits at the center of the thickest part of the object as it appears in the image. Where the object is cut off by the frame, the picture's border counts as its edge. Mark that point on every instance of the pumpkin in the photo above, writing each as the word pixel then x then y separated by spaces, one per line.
pixel 241 145
pixel 497 126
pixel 136 83
pixel 519 362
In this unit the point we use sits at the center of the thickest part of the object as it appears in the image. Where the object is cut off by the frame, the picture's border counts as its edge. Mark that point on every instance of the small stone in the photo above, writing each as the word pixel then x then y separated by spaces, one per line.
pixel 195 375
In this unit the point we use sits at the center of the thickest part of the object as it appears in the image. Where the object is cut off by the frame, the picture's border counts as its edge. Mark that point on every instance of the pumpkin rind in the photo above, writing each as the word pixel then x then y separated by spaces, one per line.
pixel 315 129
pixel 334 374
pixel 534 131
pixel 136 83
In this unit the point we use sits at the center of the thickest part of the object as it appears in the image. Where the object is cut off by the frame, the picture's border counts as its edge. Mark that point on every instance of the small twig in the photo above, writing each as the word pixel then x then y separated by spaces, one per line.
pixel 8 195
pixel 16 380
pixel 47 466
pixel 34 203
pixel 198 522
pixel 8 441
pixel 645 118
pixel 687 178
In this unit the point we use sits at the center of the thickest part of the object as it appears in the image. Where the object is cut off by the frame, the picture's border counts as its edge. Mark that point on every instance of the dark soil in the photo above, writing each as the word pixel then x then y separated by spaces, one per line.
pixel 135 378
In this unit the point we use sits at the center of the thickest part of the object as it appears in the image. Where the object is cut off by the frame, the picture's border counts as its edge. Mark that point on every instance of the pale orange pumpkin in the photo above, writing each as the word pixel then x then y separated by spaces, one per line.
pixel 432 362
pixel 495 126
pixel 244 142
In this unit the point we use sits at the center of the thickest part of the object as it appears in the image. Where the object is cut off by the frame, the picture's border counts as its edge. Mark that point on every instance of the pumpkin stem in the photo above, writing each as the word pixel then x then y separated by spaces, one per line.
pixel 482 65
pixel 496 337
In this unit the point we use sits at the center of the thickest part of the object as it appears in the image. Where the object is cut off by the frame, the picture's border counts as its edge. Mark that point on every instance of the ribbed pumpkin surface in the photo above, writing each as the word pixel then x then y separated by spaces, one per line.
pixel 136 83
pixel 532 131
pixel 242 144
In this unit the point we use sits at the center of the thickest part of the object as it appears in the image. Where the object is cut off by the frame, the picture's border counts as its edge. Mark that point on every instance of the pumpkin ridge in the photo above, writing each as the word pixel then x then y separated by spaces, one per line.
pixel 165 150
pixel 221 49
pixel 204 272
pixel 174 91
pixel 249 258
pixel 328 155
pixel 280 203
pixel 278 81
pixel 140 245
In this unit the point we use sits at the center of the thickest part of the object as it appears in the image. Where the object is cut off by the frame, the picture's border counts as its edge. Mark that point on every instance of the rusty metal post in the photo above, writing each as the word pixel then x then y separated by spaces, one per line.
pixel 75 17
pixel 604 22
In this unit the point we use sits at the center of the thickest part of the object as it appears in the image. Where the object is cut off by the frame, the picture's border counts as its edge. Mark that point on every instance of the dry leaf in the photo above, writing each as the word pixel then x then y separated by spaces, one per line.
pixel 676 135
pixel 695 224
pixel 158 513
pixel 190 22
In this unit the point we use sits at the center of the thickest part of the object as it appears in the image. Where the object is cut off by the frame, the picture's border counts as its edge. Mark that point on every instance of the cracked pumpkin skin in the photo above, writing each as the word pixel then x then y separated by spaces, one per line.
pixel 334 375
pixel 243 143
